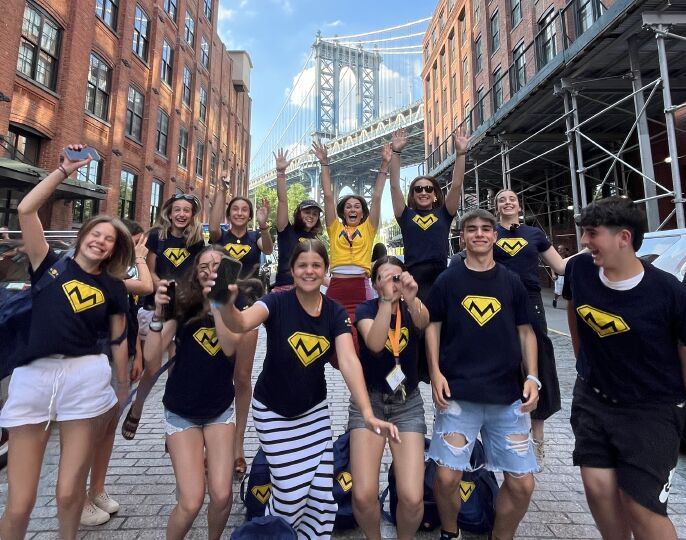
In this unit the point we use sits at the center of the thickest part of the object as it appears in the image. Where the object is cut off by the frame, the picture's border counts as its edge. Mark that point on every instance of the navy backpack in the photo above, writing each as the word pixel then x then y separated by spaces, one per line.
pixel 265 528
pixel 259 487
pixel 343 483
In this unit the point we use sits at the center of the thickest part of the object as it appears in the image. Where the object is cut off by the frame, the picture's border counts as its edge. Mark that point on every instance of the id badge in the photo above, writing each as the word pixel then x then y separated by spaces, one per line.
pixel 395 378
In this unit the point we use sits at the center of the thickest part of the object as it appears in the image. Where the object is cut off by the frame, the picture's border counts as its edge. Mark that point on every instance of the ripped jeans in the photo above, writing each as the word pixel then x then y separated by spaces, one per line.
pixel 504 432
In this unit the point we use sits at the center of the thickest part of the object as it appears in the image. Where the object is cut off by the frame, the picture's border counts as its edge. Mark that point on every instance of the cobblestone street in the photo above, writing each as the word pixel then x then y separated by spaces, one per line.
pixel 142 480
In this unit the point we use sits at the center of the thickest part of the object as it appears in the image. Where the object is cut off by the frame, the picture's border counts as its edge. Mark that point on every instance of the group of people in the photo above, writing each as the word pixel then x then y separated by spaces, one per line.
pixel 476 329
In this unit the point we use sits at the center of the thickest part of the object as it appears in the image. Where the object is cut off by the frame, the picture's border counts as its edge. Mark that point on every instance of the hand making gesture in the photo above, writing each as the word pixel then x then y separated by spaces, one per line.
pixel 399 140
pixel 282 161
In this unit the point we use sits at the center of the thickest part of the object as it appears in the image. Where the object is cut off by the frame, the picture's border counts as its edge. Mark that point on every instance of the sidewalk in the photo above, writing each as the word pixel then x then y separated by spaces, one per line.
pixel 142 480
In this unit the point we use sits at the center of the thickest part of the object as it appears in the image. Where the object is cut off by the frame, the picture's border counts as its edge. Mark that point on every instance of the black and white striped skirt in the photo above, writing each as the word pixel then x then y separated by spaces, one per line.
pixel 299 451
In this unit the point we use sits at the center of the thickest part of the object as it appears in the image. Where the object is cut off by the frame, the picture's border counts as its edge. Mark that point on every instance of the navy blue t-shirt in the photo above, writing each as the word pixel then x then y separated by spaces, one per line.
pixel 200 384
pixel 480 353
pixel 173 257
pixel 628 339
pixel 425 235
pixel 377 365
pixel 244 249
pixel 298 347
pixel 519 251
pixel 70 315
pixel 288 239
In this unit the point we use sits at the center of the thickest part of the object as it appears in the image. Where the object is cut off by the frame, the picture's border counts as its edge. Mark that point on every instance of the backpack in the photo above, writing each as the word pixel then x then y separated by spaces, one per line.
pixel 265 528
pixel 478 491
pixel 15 320
pixel 259 487
pixel 343 483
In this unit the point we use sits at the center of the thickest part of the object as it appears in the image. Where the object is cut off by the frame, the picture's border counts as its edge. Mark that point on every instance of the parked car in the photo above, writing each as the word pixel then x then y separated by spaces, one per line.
pixel 666 250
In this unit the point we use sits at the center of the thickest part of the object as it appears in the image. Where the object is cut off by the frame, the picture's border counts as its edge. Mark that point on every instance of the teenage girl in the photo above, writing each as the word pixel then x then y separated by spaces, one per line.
pixel 290 410
pixel 198 398
pixel 66 376
pixel 390 328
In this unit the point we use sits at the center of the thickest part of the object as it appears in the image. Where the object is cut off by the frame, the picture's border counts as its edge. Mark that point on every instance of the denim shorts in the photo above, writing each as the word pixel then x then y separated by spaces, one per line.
pixel 408 415
pixel 176 424
pixel 496 423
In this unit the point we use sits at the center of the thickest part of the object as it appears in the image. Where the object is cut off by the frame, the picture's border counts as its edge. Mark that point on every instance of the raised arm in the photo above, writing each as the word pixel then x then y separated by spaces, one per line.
pixel 264 242
pixel 398 142
pixel 325 177
pixel 219 207
pixel 375 207
pixel 35 246
pixel 241 321
pixel 142 284
pixel 452 198
pixel 418 311
pixel 282 163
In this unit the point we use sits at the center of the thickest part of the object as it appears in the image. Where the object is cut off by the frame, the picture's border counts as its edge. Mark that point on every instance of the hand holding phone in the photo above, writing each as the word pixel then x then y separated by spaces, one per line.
pixel 227 274
pixel 80 155
pixel 168 309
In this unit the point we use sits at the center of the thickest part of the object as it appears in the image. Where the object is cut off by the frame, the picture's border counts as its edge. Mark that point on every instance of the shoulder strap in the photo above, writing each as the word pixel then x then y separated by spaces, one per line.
pixel 51 274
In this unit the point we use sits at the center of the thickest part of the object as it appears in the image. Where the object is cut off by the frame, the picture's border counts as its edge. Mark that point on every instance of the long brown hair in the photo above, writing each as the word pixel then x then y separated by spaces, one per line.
pixel 193 231
pixel 120 260
pixel 438 192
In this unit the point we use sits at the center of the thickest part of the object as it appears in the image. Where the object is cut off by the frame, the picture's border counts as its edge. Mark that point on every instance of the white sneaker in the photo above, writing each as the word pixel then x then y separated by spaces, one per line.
pixel 539 451
pixel 92 515
pixel 106 503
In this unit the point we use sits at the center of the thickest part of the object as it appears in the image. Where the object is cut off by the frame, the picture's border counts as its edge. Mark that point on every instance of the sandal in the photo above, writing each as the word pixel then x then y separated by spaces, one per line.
pixel 240 467
pixel 130 426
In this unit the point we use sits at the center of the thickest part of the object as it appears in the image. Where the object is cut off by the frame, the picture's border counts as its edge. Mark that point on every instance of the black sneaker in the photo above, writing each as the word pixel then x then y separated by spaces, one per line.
pixel 445 535
pixel 554 303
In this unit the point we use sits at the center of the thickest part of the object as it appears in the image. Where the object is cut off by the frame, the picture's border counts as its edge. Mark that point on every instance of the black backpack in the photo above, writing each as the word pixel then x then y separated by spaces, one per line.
pixel 265 528
pixel 343 483
pixel 259 487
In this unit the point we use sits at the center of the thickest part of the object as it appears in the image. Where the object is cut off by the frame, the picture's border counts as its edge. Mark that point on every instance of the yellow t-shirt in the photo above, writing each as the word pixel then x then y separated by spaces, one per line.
pixel 351 245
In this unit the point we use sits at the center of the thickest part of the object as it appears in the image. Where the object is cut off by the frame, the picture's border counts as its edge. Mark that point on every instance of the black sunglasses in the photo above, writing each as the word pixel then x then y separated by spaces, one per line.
pixel 187 197
pixel 425 189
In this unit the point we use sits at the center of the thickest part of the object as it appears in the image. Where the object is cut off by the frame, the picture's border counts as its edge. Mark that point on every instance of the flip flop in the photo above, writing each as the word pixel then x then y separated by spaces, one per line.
pixel 240 467
pixel 130 426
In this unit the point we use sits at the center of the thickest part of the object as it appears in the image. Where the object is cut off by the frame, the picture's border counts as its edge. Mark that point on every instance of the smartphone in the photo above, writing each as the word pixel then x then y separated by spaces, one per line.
pixel 396 278
pixel 227 274
pixel 79 155
pixel 168 309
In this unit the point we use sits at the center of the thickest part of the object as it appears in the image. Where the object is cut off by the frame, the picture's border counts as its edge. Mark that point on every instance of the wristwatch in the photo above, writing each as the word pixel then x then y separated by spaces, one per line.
pixel 156 324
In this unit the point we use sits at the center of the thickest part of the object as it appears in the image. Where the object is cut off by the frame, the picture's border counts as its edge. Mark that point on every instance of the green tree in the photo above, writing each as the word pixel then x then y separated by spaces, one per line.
pixel 296 193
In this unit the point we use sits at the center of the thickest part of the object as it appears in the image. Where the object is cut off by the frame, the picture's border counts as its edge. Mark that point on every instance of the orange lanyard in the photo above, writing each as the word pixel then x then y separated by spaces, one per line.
pixel 394 337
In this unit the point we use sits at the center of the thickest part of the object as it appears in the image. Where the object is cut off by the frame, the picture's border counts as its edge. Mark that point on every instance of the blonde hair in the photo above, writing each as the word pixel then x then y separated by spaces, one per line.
pixel 121 259
pixel 193 231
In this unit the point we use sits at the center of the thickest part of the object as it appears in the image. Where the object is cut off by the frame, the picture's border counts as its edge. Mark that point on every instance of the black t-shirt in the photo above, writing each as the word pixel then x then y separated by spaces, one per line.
pixel 519 251
pixel 244 249
pixel 628 339
pixel 173 257
pixel 70 316
pixel 377 365
pixel 298 348
pixel 480 353
pixel 288 239
pixel 200 384
pixel 425 235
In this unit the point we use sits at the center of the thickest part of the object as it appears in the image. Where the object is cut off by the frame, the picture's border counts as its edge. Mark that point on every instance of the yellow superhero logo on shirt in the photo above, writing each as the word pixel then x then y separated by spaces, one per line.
pixel 512 246
pixel 601 322
pixel 308 347
pixel 481 308
pixel 207 339
pixel 176 256
pixel 466 490
pixel 262 493
pixel 424 222
pixel 345 480
pixel 404 338
pixel 237 251
pixel 82 296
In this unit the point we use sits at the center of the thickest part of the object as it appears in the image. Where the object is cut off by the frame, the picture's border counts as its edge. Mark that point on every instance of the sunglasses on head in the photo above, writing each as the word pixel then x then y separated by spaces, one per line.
pixel 425 189
pixel 185 197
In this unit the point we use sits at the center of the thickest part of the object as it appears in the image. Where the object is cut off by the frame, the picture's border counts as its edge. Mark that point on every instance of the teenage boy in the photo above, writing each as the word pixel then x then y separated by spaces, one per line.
pixel 628 325
pixel 479 340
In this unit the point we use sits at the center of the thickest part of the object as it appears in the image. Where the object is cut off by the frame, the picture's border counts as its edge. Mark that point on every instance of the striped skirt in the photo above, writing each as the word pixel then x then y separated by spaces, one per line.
pixel 299 451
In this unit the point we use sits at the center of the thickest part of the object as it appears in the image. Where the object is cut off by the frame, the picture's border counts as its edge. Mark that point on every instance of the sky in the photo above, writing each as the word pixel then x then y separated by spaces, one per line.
pixel 278 35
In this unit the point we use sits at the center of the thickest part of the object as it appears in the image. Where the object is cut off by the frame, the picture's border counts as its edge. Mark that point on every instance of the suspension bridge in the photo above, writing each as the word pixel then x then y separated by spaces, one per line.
pixel 352 93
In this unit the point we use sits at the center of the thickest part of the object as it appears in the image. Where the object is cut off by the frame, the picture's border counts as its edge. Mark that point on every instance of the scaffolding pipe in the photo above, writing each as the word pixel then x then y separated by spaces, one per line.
pixel 503 166
pixel 572 167
pixel 549 151
pixel 547 197
pixel 579 151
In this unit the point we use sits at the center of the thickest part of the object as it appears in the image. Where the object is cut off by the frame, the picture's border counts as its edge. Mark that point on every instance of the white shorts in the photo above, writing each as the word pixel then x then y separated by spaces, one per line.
pixel 59 388
pixel 144 318
pixel 559 285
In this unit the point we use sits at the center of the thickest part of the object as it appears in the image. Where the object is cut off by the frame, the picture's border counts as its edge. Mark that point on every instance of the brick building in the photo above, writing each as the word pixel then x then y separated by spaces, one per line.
pixel 148 83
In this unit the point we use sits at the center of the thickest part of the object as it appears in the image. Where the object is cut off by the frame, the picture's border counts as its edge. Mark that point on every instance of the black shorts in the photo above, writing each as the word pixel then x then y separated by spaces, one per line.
pixel 640 441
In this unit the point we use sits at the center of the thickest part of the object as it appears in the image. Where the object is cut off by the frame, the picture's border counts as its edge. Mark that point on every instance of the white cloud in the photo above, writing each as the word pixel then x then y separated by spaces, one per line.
pixel 334 24
pixel 225 14
pixel 302 86
pixel 285 5
pixel 243 3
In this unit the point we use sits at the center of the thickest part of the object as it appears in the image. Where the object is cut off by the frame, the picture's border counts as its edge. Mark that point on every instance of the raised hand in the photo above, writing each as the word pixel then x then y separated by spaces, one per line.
pixel 263 214
pixel 388 288
pixel 139 248
pixel 282 161
pixel 399 139
pixel 225 177
pixel 408 287
pixel 460 141
pixel 70 166
pixel 386 153
pixel 320 152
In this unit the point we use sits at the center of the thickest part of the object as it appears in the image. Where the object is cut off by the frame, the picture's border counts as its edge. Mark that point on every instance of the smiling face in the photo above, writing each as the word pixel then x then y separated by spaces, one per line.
pixel 423 199
pixel 181 215
pixel 353 212
pixel 207 264
pixel 309 217
pixel 239 213
pixel 605 243
pixel 98 243
pixel 507 204
pixel 479 236
pixel 308 271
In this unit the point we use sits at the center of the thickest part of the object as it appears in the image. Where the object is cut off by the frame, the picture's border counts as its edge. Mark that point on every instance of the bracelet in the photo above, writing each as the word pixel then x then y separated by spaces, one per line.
pixel 397 152
pixel 460 153
pixel 140 257
pixel 382 171
pixel 64 171
pixel 264 228
pixel 324 164
pixel 534 379
pixel 281 172
pixel 384 299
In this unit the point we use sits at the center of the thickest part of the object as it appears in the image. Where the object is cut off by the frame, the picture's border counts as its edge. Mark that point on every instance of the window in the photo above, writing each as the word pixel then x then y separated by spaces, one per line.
pixel 433 38
pixel 189 30
pixel 39 47
pixel 167 64
pixel 187 81
pixel 162 132
pixel 98 89
pixel 453 88
pixel 495 33
pixel 477 12
pixel 518 74
pixel 467 118
pixel 426 53
pixel 134 114
pixel 478 55
pixel 435 77
pixel 199 159
pixel 203 104
pixel 437 112
pixel 141 27
pixel 107 10
pixel 204 52
pixel 545 39
pixel 441 21
pixel 462 27
pixel 83 209
pixel 515 12
pixel 451 48
pixel 497 89
pixel 443 71
pixel 444 100
pixel 428 89
pixel 213 167
pixel 127 194
pixel 207 9
pixel 479 112
pixel 465 73
pixel 451 5
pixel 170 8
pixel 156 194
pixel 25 146
pixel 587 12
pixel 182 158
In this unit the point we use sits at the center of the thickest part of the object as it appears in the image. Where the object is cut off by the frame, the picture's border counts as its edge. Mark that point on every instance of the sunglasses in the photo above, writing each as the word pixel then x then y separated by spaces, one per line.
pixel 425 189
pixel 186 197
